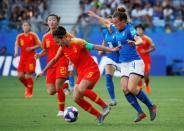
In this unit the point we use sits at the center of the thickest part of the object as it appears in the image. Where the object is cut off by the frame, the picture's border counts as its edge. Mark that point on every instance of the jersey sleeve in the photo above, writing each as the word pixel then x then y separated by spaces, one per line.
pixel 37 40
pixel 78 41
pixel 43 44
pixel 149 40
pixel 113 28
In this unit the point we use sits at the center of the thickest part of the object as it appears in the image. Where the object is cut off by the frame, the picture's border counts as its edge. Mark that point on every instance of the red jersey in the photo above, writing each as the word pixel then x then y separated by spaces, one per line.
pixel 50 46
pixel 147 43
pixel 24 41
pixel 78 55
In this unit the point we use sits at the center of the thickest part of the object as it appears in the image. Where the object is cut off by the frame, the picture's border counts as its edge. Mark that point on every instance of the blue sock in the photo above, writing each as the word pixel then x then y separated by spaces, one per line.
pixel 71 81
pixel 133 101
pixel 110 86
pixel 142 96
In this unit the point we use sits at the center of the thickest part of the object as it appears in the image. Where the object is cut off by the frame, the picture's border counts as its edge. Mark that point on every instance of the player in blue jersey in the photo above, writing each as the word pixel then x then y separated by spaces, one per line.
pixel 111 61
pixel 132 66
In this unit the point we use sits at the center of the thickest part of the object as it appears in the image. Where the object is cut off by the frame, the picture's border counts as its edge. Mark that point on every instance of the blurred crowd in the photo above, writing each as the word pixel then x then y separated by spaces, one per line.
pixel 161 15
pixel 13 12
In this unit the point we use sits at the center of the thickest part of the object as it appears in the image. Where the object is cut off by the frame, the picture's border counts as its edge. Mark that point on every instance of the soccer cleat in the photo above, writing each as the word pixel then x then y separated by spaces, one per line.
pixel 112 103
pixel 28 92
pixel 140 117
pixel 106 111
pixel 148 89
pixel 60 114
pixel 100 119
pixel 153 112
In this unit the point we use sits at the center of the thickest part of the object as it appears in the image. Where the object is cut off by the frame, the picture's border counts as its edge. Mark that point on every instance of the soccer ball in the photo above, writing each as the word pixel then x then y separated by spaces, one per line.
pixel 70 114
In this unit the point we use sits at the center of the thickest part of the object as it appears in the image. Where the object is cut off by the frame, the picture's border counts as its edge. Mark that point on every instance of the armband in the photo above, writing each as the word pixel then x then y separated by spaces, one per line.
pixel 89 46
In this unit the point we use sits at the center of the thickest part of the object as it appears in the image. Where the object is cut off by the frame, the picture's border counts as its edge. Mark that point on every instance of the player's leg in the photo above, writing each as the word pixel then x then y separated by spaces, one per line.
pixel 146 77
pixel 134 77
pixel 60 95
pixel 22 79
pixel 132 99
pixel 30 69
pixel 30 84
pixel 109 83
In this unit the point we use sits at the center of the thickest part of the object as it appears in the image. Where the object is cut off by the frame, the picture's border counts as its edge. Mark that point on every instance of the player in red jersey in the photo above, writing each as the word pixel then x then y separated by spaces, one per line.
pixel 88 73
pixel 57 73
pixel 27 42
pixel 144 51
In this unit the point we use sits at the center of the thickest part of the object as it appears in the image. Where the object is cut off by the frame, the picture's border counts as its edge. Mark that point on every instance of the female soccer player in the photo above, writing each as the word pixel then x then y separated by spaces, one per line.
pixel 88 73
pixel 27 42
pixel 132 66
pixel 57 73
pixel 144 51
pixel 111 61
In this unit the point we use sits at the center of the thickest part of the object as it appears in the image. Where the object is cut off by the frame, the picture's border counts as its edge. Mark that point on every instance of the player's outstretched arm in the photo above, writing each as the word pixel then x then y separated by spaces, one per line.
pixel 138 41
pixel 100 19
pixel 33 47
pixel 51 62
pixel 103 48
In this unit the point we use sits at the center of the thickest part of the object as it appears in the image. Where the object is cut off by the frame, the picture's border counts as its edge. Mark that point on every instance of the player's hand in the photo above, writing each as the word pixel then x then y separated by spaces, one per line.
pixel 28 49
pixel 36 56
pixel 117 48
pixel 143 52
pixel 90 13
pixel 39 75
pixel 131 42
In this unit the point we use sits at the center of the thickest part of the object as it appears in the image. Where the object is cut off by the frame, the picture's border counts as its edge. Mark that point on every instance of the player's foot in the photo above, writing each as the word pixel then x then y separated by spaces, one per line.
pixel 153 112
pixel 140 117
pixel 148 89
pixel 100 119
pixel 106 111
pixel 28 92
pixel 60 114
pixel 112 103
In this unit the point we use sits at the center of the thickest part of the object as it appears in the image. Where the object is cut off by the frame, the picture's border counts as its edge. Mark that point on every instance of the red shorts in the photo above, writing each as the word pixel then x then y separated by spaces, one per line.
pixel 60 71
pixel 27 66
pixel 147 67
pixel 92 75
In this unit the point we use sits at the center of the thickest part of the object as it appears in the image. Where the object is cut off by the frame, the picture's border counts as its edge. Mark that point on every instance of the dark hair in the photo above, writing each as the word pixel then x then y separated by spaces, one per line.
pixel 121 9
pixel 60 32
pixel 26 22
pixel 57 17
pixel 140 26
pixel 121 14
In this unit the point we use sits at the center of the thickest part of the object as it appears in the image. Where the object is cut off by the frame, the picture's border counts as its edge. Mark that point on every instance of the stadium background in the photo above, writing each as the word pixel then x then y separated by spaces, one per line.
pixel 163 19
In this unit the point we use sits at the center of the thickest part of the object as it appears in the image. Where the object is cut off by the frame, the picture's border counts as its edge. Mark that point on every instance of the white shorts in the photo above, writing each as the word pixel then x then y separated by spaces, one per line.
pixel 133 67
pixel 109 61
pixel 70 66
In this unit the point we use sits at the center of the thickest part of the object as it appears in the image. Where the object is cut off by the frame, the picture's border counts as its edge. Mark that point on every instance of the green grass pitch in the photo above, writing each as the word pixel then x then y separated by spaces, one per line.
pixel 39 113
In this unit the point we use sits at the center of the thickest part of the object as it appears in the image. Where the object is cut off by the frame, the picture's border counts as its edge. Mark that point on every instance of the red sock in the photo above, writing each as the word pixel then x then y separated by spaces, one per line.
pixel 61 99
pixel 65 85
pixel 94 97
pixel 147 82
pixel 88 107
pixel 23 81
pixel 140 84
pixel 30 84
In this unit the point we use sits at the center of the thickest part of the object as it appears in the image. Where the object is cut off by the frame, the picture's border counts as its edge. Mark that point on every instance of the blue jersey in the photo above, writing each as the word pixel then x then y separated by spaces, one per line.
pixel 110 42
pixel 127 53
